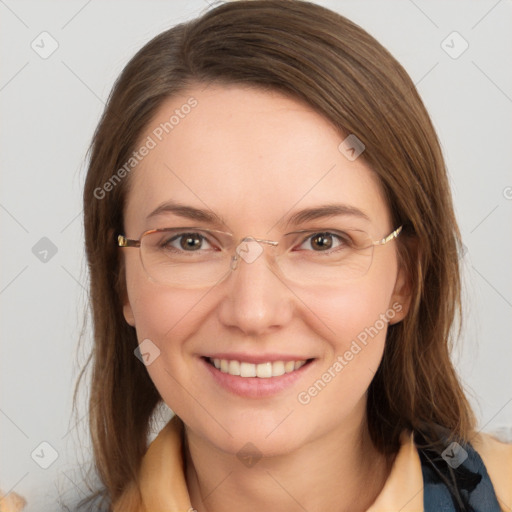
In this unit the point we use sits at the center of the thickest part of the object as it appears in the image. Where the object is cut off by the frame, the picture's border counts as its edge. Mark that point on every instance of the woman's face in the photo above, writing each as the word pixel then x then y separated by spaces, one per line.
pixel 255 158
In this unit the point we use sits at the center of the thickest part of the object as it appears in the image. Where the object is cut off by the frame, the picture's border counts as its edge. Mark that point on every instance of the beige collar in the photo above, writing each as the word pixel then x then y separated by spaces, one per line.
pixel 163 487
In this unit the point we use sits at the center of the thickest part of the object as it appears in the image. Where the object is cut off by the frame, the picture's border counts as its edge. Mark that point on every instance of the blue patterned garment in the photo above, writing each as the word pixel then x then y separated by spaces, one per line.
pixel 455 480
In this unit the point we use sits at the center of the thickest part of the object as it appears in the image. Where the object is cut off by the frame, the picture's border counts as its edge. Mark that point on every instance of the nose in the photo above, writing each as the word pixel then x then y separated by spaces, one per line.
pixel 256 300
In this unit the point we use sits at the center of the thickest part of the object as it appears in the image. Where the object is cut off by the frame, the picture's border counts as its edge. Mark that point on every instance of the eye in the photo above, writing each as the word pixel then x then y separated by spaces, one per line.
pixel 325 241
pixel 189 242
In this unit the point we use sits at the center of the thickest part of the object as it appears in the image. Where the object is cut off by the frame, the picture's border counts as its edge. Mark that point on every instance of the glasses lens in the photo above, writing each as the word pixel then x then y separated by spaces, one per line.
pixel 326 259
pixel 186 258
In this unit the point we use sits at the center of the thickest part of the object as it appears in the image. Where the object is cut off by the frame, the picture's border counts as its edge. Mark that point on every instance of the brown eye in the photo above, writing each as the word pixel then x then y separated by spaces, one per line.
pixel 185 242
pixel 191 241
pixel 322 241
pixel 325 241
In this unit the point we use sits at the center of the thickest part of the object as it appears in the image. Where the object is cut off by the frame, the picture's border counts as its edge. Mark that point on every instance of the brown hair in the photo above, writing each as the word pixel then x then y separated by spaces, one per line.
pixel 317 56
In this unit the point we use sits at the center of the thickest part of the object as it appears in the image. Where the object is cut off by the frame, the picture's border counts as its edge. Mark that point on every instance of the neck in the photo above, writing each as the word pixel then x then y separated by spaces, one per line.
pixel 342 471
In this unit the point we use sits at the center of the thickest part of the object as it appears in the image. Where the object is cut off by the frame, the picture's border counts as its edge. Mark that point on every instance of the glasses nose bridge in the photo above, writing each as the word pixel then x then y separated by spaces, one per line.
pixel 249 249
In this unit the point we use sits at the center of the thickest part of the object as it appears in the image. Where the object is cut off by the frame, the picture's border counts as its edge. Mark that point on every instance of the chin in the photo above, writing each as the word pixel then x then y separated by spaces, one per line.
pixel 265 438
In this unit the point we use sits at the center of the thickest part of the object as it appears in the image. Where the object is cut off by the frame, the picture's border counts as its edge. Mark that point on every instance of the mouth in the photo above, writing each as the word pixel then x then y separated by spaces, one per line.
pixel 263 370
pixel 257 375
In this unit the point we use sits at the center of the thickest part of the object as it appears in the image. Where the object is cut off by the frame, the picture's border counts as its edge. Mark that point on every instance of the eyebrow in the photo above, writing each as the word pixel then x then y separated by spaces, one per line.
pixel 187 212
pixel 327 210
pixel 305 215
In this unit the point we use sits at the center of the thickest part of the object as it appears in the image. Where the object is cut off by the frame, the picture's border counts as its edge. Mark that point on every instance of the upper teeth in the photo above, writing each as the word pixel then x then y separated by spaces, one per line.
pixel 262 370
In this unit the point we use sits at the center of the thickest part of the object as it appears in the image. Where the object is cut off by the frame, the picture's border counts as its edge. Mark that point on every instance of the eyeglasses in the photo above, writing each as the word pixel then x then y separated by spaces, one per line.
pixel 191 257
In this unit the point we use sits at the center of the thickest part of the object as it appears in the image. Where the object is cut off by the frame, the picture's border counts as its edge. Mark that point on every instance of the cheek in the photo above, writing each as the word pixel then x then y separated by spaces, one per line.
pixel 360 311
pixel 360 332
pixel 162 314
pixel 355 324
pixel 358 320
pixel 159 312
pixel 168 318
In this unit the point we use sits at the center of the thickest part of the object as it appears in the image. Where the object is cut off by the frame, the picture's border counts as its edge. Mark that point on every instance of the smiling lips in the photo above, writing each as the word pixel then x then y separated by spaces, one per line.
pixel 256 375
pixel 263 370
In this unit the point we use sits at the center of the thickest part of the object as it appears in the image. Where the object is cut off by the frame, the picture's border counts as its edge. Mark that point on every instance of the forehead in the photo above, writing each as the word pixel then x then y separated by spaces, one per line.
pixel 251 156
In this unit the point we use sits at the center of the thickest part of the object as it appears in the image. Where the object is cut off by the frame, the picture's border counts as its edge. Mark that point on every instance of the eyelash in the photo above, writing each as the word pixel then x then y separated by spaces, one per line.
pixel 343 239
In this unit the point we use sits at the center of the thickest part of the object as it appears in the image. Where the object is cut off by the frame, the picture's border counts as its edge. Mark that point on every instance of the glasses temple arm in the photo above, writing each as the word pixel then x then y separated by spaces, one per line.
pixel 391 236
pixel 122 241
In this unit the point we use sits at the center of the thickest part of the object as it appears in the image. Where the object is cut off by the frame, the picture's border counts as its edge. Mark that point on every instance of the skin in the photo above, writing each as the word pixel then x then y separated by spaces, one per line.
pixel 255 157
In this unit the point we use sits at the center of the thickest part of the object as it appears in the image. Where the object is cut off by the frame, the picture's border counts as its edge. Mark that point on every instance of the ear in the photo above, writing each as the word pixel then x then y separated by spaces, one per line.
pixel 128 313
pixel 401 298
pixel 125 301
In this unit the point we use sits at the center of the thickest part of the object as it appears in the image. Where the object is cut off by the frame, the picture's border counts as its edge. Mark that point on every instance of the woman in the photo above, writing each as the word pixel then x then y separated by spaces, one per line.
pixel 274 255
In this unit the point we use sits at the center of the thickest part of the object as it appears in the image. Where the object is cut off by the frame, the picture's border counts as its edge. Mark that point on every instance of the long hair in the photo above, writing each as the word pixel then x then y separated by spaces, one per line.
pixel 317 56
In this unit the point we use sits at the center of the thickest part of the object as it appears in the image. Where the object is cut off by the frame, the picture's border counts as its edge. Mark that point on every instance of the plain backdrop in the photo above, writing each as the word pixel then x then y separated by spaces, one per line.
pixel 50 105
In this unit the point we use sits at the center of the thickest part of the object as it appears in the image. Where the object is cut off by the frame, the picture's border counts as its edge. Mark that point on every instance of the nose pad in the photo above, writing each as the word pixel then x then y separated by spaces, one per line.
pixel 249 249
pixel 234 262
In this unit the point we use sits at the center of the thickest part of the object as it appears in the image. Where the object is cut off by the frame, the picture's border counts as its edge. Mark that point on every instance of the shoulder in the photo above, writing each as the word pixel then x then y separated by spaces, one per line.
pixel 497 458
pixel 476 473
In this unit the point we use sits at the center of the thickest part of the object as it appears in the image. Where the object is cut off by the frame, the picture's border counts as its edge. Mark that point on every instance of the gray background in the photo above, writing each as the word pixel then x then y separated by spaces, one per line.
pixel 49 109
